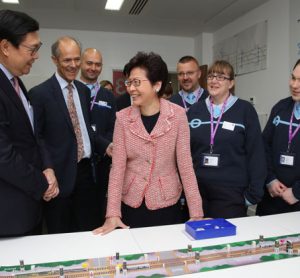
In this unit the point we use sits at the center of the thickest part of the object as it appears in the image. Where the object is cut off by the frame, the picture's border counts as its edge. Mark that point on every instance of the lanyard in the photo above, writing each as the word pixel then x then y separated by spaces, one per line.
pixel 212 130
pixel 291 133
pixel 200 91
pixel 96 89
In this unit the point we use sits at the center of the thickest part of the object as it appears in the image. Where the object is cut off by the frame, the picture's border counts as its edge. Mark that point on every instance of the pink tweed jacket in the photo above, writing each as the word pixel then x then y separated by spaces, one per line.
pixel 146 165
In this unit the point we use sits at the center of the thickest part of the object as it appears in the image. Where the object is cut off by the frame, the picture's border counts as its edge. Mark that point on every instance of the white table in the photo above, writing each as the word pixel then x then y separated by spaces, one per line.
pixel 47 248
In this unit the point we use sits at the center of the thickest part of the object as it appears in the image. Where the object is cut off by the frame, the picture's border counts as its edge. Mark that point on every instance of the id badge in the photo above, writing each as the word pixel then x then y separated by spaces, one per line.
pixel 210 160
pixel 287 159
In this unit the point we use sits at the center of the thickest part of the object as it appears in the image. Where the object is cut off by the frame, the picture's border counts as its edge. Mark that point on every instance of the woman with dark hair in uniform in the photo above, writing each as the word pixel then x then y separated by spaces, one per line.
pixel 282 143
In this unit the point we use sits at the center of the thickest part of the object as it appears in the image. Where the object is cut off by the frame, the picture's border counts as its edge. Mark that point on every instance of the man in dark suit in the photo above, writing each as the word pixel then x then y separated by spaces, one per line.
pixel 25 172
pixel 62 112
pixel 188 74
pixel 103 115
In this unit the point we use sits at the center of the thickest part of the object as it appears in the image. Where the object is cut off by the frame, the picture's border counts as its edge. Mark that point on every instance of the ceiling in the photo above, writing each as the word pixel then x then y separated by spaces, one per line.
pixel 186 18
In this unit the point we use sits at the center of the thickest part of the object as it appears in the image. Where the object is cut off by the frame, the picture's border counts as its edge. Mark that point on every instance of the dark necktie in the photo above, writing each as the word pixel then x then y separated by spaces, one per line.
pixel 75 122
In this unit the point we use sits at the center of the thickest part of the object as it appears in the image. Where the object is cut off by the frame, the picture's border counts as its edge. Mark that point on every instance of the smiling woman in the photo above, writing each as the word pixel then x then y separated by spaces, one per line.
pixel 227 147
pixel 282 145
pixel 151 160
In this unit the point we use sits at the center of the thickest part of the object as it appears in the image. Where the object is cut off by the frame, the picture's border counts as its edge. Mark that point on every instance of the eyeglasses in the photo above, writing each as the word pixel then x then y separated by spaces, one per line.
pixel 187 74
pixel 32 49
pixel 134 82
pixel 218 77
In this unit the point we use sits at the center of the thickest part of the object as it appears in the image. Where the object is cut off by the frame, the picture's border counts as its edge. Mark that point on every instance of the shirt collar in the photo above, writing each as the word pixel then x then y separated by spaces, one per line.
pixel 6 72
pixel 297 110
pixel 62 82
pixel 197 94
pixel 218 108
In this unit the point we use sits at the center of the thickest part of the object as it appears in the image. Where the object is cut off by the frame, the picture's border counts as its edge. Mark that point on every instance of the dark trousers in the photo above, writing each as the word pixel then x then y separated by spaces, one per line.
pixel 223 202
pixel 143 217
pixel 102 169
pixel 37 230
pixel 81 211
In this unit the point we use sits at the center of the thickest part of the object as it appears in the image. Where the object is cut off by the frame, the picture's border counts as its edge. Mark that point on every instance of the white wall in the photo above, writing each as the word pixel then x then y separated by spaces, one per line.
pixel 203 48
pixel 270 85
pixel 116 48
pixel 294 31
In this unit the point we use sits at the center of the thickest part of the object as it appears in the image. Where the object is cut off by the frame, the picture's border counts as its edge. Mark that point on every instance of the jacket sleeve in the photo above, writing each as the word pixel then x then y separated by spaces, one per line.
pixel 185 167
pixel 14 170
pixel 38 127
pixel 268 139
pixel 117 173
pixel 257 168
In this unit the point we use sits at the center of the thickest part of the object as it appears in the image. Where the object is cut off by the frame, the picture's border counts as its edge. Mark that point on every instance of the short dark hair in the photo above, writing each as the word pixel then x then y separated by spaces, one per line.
pixel 14 26
pixel 297 63
pixel 103 83
pixel 155 67
pixel 187 58
pixel 125 70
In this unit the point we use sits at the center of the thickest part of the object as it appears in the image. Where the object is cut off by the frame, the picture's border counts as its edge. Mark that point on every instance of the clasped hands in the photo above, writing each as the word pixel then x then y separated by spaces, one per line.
pixel 278 189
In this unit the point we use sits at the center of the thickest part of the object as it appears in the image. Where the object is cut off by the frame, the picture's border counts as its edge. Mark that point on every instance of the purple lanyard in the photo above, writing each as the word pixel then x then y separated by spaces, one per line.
pixel 212 130
pixel 291 133
pixel 96 88
pixel 197 99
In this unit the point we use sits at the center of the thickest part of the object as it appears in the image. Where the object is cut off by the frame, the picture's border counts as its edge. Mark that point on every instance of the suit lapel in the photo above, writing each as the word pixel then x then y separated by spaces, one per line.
pixel 83 101
pixel 10 92
pixel 162 126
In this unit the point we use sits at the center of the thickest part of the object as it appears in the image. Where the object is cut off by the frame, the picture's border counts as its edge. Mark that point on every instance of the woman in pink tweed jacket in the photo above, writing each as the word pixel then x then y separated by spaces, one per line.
pixel 151 154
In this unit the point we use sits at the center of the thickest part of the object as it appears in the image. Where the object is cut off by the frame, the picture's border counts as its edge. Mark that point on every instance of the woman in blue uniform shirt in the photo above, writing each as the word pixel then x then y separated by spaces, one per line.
pixel 227 147
pixel 282 143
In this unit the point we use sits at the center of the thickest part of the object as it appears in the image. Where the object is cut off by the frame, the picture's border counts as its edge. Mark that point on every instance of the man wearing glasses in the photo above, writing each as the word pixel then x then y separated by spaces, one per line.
pixel 26 175
pixel 188 74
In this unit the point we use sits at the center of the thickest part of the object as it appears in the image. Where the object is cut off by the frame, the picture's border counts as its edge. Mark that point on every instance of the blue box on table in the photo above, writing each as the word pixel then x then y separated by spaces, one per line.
pixel 211 228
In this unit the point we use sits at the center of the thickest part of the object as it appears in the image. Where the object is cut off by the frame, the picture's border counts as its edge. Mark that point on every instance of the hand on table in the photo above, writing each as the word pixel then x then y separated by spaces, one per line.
pixel 109 225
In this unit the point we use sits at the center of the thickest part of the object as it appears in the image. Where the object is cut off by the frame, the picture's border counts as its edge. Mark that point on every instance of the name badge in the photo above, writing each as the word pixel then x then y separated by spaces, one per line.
pixel 210 160
pixel 287 159
pixel 103 104
pixel 228 126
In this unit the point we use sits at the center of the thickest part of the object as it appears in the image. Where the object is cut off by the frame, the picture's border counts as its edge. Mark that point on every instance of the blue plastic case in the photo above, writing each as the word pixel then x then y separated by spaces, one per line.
pixel 218 227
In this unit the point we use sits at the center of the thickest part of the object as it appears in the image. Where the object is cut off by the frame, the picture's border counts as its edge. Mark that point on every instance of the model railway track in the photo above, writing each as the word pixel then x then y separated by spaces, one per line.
pixel 110 271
